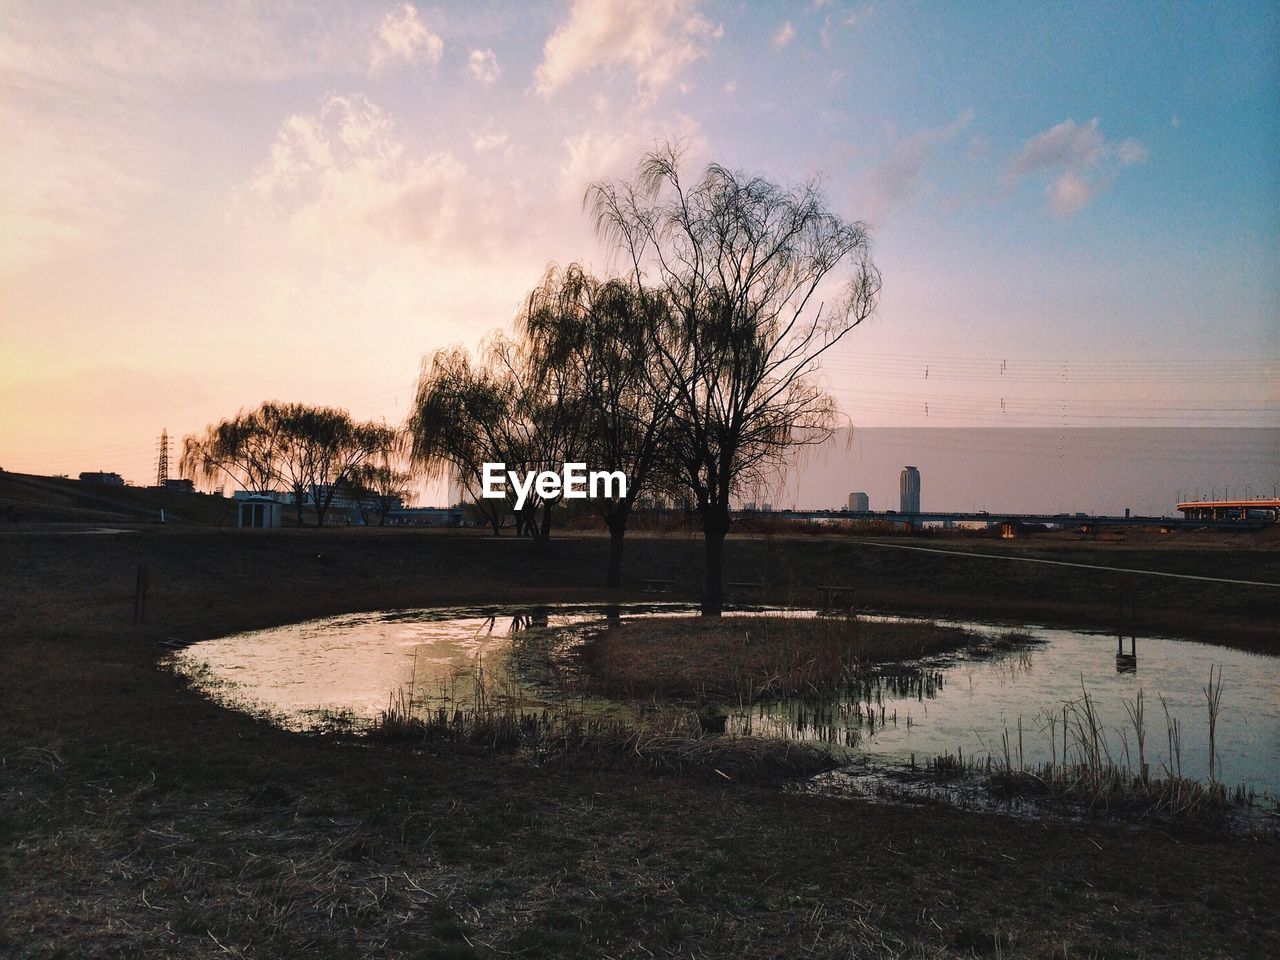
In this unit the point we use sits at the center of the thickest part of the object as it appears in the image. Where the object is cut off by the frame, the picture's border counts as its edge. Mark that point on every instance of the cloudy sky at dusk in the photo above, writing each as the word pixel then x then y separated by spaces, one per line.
pixel 203 206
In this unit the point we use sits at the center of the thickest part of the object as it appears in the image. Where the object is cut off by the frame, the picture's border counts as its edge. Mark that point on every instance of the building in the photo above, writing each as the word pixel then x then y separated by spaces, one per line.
pixel 106 479
pixel 179 485
pixel 859 503
pixel 427 517
pixel 262 511
pixel 1256 509
pixel 909 490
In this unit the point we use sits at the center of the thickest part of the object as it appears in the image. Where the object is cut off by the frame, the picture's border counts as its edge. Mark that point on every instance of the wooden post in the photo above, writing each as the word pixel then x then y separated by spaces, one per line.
pixel 140 594
pixel 1127 596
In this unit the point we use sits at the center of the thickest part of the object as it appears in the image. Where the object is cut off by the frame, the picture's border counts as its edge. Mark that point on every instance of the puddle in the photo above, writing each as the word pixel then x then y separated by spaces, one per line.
pixel 351 665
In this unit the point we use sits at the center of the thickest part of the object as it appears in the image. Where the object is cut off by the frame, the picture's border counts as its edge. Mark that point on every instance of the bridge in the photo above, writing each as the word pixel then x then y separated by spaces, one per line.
pixel 1233 511
pixel 1259 513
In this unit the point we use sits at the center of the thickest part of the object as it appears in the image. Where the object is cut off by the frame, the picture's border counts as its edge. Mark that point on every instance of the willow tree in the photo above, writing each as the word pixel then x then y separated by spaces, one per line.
pixel 497 408
pixel 385 478
pixel 460 421
pixel 312 450
pixel 335 447
pixel 244 449
pixel 547 424
pixel 759 281
pixel 589 343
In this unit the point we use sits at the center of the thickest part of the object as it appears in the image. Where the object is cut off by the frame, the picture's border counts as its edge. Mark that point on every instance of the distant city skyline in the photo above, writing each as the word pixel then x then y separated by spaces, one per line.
pixel 1074 209
pixel 1091 470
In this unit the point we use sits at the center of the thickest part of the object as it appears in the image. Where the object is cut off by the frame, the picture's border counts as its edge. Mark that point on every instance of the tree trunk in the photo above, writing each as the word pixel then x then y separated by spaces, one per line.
pixel 617 523
pixel 715 526
pixel 544 534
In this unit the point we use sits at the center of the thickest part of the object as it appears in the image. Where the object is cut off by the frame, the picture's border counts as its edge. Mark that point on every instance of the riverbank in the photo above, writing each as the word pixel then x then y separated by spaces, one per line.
pixel 139 819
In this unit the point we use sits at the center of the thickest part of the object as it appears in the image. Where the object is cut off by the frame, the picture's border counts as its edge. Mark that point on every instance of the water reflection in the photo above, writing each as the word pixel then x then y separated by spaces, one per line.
pixel 970 705
pixel 1126 662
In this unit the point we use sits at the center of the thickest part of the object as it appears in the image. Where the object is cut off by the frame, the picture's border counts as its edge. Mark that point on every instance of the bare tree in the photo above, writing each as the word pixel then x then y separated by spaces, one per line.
pixel 498 409
pixel 383 480
pixel 313 450
pixel 296 451
pixel 339 446
pixel 458 424
pixel 244 449
pixel 589 344
pixel 760 281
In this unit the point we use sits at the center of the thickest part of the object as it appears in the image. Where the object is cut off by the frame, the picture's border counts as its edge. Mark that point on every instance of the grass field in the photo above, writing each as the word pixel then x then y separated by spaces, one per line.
pixel 140 820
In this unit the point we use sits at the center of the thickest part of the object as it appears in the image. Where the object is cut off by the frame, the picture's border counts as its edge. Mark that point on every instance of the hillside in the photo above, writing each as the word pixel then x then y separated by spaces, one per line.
pixel 25 498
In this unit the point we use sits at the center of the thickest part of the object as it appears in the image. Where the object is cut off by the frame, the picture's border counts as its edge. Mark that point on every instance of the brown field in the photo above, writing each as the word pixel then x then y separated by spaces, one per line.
pixel 140 820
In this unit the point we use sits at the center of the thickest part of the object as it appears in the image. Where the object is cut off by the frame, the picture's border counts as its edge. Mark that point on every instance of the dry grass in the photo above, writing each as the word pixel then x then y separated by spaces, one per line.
pixel 1096 775
pixel 139 820
pixel 573 741
pixel 742 659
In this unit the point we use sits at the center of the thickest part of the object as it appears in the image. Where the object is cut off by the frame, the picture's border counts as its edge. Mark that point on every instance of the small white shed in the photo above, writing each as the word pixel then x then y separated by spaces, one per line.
pixel 258 511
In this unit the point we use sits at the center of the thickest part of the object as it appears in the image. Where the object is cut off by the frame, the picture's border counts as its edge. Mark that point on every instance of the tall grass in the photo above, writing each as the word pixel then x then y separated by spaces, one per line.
pixel 495 718
pixel 1086 771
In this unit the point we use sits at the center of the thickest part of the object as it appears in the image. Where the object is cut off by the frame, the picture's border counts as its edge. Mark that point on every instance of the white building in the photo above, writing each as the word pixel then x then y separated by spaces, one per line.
pixel 261 511
pixel 909 490
pixel 859 502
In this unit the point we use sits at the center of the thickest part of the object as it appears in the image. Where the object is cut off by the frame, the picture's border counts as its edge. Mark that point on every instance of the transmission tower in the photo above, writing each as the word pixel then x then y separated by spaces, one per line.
pixel 162 458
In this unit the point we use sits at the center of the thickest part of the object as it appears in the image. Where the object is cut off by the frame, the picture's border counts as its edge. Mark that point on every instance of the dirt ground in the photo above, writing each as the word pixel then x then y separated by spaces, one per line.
pixel 139 820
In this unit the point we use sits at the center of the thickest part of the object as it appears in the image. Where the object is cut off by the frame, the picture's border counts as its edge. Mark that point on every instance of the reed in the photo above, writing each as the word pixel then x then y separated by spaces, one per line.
pixel 490 719
pixel 1213 694
pixel 1086 773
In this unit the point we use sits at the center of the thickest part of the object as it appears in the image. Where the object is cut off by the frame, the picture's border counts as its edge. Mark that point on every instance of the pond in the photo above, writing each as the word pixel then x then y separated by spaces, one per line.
pixel 974 705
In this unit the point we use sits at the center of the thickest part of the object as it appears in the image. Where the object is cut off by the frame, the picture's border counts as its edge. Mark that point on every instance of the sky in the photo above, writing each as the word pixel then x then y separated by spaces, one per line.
pixel 1075 208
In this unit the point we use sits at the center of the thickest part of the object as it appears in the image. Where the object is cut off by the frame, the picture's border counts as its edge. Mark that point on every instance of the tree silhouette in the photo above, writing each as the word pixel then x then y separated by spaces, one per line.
pixel 312 450
pixel 759 281
pixel 589 345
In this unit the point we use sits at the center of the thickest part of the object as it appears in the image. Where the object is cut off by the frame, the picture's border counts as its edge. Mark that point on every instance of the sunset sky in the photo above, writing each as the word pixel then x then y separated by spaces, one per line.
pixel 205 205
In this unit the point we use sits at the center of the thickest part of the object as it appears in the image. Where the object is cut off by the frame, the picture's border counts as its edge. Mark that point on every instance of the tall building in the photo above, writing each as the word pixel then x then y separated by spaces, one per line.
pixel 909 489
pixel 859 503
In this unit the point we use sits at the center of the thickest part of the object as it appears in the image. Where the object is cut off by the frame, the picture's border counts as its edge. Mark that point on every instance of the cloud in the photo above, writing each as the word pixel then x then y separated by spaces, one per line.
pixel 1069 144
pixel 129 47
pixel 590 156
pixel 1133 152
pixel 343 180
pixel 1079 160
pixel 612 150
pixel 403 38
pixel 1070 192
pixel 483 65
pixel 351 225
pixel 785 34
pixel 653 39
pixel 485 142
pixel 900 180
pixel 91 94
